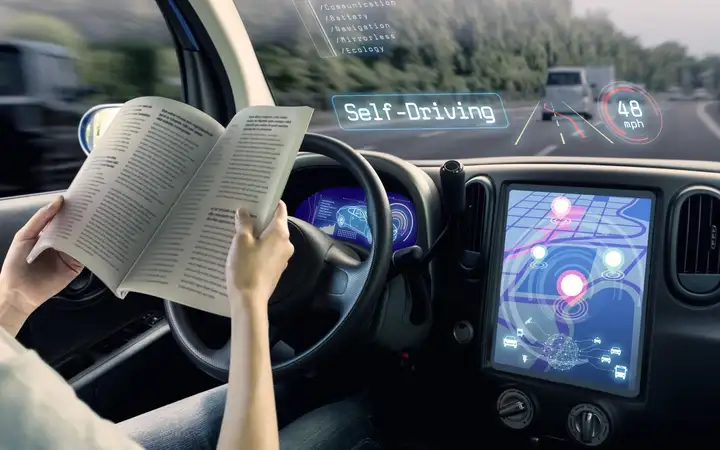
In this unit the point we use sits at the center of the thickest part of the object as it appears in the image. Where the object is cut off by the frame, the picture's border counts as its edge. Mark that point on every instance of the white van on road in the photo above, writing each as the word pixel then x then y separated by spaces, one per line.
pixel 566 88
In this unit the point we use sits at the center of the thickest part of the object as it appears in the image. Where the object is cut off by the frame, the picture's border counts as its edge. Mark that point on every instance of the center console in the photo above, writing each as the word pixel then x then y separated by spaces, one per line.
pixel 568 305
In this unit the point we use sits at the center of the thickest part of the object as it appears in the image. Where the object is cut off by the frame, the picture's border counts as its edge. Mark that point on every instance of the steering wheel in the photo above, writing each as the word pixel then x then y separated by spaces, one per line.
pixel 322 270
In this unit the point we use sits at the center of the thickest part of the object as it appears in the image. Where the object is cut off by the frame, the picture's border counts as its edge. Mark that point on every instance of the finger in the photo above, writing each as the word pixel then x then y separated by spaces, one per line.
pixel 243 225
pixel 39 221
pixel 243 221
pixel 71 262
pixel 279 224
pixel 281 211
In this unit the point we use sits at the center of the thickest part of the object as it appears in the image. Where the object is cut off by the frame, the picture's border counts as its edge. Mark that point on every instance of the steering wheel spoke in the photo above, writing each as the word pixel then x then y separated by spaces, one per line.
pixel 344 284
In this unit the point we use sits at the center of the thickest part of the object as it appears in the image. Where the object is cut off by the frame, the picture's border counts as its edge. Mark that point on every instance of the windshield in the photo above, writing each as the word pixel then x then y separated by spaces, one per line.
pixel 456 79
pixel 11 79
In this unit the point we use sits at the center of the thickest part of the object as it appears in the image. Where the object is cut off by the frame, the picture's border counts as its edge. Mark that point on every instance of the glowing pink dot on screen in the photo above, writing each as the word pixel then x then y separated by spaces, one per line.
pixel 561 207
pixel 571 286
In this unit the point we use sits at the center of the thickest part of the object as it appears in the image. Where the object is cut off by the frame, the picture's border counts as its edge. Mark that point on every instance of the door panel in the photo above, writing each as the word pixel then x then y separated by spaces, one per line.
pixel 15 211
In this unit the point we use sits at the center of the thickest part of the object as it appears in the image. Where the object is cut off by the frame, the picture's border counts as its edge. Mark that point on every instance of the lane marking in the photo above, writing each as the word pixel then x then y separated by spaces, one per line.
pixel 557 122
pixel 532 114
pixel 562 138
pixel 432 133
pixel 547 150
pixel 706 119
pixel 586 121
pixel 598 123
pixel 558 115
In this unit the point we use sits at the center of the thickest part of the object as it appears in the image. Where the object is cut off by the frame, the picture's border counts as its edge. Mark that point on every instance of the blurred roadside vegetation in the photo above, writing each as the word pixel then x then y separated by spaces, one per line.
pixel 471 46
pixel 503 46
pixel 118 71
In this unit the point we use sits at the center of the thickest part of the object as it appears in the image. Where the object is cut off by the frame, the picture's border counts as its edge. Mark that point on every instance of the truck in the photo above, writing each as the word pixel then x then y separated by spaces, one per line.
pixel 567 91
pixel 598 77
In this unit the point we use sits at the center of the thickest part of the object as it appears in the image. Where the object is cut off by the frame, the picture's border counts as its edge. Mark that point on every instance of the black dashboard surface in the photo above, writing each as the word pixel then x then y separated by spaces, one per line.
pixel 676 388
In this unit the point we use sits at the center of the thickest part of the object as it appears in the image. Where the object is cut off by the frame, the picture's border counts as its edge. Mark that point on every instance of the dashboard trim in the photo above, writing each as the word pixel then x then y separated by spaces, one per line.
pixel 472 164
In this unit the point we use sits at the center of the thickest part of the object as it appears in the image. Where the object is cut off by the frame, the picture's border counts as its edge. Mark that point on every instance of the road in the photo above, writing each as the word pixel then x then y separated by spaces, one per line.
pixel 691 130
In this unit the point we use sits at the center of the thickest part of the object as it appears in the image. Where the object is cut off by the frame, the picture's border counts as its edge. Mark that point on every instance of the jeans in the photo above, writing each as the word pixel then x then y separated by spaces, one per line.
pixel 194 424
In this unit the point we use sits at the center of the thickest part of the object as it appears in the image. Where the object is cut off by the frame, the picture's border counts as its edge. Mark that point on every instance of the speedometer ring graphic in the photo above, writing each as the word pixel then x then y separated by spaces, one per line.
pixel 630 113
pixel 402 219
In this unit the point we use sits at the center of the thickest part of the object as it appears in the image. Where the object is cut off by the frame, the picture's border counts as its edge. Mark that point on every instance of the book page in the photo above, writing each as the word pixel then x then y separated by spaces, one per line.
pixel 126 187
pixel 249 167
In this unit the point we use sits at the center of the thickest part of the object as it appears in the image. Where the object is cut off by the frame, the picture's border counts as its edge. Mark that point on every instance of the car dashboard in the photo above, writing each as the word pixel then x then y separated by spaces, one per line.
pixel 574 300
pixel 575 303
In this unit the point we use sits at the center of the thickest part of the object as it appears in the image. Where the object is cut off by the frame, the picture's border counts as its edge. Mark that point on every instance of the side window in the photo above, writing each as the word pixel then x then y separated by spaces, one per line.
pixel 90 63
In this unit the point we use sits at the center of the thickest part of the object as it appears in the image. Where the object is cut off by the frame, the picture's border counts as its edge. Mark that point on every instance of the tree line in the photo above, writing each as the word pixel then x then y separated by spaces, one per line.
pixel 442 46
pixel 474 46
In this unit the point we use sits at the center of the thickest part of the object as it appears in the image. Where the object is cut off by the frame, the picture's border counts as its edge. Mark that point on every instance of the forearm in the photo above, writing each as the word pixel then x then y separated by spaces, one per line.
pixel 12 316
pixel 250 421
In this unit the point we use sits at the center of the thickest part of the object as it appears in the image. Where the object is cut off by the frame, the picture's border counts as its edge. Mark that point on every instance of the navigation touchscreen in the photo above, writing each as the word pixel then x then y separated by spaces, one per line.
pixel 572 292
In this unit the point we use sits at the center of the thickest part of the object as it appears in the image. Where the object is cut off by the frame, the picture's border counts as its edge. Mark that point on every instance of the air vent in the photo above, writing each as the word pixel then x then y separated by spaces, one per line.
pixel 697 241
pixel 477 202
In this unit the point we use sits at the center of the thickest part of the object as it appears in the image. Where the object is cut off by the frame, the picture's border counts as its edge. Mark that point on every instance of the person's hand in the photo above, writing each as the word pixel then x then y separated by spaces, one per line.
pixel 48 274
pixel 254 265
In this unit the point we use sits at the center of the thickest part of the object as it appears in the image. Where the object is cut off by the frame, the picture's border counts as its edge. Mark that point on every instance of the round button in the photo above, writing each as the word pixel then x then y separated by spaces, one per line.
pixel 515 409
pixel 463 332
pixel 588 425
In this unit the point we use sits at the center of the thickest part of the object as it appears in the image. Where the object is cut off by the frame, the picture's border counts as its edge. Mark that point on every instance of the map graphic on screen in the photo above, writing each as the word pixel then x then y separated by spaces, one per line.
pixel 572 288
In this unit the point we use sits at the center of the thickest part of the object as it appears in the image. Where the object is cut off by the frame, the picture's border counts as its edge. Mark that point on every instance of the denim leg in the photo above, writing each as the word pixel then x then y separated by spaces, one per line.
pixel 344 425
pixel 194 424
pixel 189 424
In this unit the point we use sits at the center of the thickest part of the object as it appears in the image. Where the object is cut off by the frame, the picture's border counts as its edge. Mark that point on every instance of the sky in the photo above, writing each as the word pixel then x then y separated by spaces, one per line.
pixel 694 23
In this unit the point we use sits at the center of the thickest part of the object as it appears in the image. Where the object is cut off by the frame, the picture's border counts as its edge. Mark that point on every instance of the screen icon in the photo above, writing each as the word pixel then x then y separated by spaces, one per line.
pixel 572 285
pixel 613 260
pixel 538 253
pixel 520 332
pixel 620 372
pixel 615 351
pixel 605 359
pixel 597 340
pixel 525 358
pixel 561 207
pixel 510 341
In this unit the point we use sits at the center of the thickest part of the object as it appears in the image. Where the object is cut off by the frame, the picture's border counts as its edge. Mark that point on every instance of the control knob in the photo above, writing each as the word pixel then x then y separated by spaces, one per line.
pixel 588 424
pixel 515 409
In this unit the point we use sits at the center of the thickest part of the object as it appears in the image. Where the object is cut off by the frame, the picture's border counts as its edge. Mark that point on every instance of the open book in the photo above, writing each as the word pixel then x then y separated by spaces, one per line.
pixel 152 210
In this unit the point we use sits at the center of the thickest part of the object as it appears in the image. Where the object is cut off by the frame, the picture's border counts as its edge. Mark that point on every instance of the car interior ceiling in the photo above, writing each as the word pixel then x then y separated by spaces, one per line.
pixel 440 370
